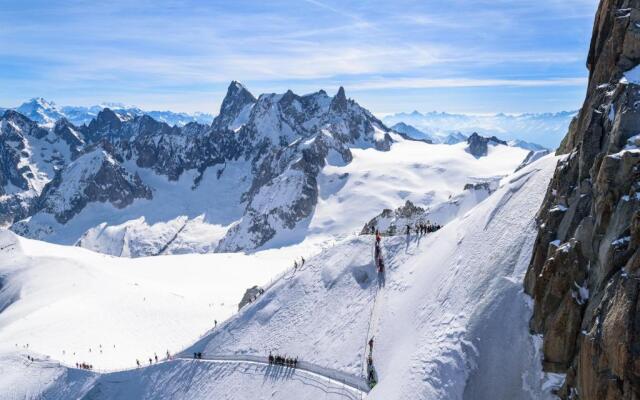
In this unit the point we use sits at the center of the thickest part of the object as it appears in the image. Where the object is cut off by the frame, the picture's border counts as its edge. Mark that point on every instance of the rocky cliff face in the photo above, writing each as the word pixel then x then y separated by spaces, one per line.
pixel 29 158
pixel 584 275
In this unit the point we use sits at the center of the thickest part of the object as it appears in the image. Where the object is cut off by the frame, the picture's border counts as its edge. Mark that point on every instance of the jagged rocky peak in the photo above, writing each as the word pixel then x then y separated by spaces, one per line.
pixel 104 124
pixel 70 134
pixel 479 145
pixel 584 274
pixel 236 106
pixel 339 102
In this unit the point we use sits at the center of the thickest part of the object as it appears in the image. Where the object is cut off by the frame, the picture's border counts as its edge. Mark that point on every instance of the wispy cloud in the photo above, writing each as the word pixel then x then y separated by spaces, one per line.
pixel 423 83
pixel 173 48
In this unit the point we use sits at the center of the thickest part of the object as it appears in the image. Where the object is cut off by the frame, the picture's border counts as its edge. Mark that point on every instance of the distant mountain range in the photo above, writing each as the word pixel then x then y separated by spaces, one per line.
pixel 545 129
pixel 532 130
pixel 46 113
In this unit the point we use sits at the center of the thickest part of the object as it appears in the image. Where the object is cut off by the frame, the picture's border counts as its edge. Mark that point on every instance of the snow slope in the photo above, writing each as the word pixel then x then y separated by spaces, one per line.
pixel 63 301
pixel 451 302
pixel 442 316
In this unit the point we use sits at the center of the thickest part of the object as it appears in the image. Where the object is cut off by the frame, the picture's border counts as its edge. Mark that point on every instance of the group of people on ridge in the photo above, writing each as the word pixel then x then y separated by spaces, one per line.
pixel 378 254
pixel 84 366
pixel 286 361
pixel 422 228
pixel 371 374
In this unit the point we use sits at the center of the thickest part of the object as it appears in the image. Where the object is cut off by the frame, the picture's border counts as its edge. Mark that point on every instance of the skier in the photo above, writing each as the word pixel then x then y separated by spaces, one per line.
pixel 378 238
pixel 138 363
pixel 270 358
pixel 156 357
pixel 302 261
pixel 371 344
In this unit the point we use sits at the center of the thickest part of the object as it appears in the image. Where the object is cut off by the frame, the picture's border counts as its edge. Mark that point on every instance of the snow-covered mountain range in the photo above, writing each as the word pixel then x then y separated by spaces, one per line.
pixel 543 129
pixel 46 113
pixel 268 171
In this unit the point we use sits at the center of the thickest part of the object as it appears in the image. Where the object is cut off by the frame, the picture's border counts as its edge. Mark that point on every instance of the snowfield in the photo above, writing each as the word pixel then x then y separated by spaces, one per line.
pixel 425 174
pixel 75 305
pixel 449 318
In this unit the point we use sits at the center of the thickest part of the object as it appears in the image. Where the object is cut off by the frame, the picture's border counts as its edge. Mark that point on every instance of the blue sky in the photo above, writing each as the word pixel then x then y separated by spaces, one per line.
pixel 459 56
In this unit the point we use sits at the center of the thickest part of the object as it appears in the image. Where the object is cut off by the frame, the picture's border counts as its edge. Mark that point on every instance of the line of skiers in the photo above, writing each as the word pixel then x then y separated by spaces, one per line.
pixel 421 229
pixel 371 372
pixel 286 361
pixel 378 254
pixel 84 366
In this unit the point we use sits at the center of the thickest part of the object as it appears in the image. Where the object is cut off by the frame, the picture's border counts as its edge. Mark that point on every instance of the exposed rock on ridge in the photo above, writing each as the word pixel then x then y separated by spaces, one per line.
pixel 585 271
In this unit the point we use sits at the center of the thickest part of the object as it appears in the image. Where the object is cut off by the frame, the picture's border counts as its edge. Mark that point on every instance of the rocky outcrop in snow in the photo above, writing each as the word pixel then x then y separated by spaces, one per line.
pixel 93 177
pixel 584 275
pixel 478 145
pixel 394 222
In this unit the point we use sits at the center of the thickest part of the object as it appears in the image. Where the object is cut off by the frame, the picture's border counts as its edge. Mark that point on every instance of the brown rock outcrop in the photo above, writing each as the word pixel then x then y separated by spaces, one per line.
pixel 584 274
